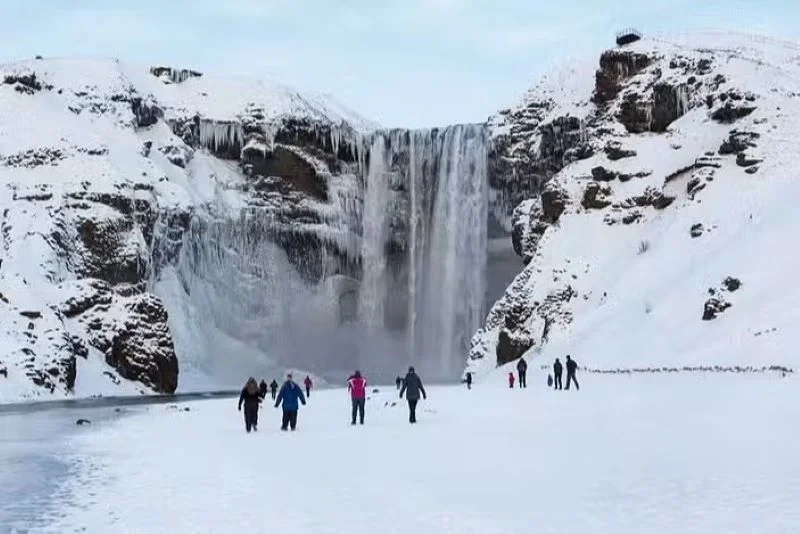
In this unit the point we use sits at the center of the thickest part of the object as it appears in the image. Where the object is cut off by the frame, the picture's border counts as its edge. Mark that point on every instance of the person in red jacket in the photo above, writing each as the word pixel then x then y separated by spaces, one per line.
pixel 357 386
pixel 309 384
pixel 511 380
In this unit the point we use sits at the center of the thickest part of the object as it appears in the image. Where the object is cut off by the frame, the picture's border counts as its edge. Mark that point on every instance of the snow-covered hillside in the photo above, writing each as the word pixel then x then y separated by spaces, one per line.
pixel 663 235
pixel 104 169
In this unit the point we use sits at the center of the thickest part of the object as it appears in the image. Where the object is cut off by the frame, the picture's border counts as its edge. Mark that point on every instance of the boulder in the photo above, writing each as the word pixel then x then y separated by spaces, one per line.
pixel 601 174
pixel 732 284
pixel 713 307
pixel 595 197
pixel 696 230
pixel 615 151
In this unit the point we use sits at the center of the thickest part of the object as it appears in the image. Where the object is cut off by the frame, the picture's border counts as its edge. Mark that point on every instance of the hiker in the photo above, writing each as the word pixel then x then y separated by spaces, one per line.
pixel 262 389
pixel 469 380
pixel 398 381
pixel 357 386
pixel 511 380
pixel 251 399
pixel 308 383
pixel 522 371
pixel 557 370
pixel 289 395
pixel 571 368
pixel 412 387
pixel 273 387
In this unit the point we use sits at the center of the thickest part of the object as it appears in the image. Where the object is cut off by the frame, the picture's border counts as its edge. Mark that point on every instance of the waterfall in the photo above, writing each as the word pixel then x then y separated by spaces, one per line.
pixel 389 272
pixel 424 248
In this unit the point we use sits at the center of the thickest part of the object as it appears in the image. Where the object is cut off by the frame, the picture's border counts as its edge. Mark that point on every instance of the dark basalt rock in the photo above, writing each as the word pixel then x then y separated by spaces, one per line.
pixel 737 142
pixel 601 174
pixel 594 197
pixel 732 111
pixel 713 307
pixel 696 230
pixel 732 284
pixel 146 112
pixel 615 67
pixel 614 151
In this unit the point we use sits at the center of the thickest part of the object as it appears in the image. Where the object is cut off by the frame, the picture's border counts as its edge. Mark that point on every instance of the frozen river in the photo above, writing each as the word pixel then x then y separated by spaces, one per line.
pixel 35 446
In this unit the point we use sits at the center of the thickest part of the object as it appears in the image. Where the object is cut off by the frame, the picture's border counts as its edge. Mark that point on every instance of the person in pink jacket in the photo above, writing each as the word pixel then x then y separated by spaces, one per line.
pixel 357 386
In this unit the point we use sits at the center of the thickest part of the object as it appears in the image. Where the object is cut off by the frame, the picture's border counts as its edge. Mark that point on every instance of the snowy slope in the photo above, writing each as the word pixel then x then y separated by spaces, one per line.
pixel 95 189
pixel 652 454
pixel 668 139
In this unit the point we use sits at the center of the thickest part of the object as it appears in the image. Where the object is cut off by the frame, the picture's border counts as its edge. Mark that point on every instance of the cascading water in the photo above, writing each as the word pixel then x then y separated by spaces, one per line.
pixel 425 262
pixel 389 272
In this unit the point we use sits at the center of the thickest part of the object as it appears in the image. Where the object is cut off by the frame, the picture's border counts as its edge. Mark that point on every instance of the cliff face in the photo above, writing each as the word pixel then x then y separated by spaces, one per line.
pixel 163 228
pixel 110 176
pixel 658 174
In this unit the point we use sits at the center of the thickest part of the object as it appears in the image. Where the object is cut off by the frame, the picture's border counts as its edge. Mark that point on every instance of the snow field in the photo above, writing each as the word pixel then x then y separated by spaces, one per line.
pixel 657 454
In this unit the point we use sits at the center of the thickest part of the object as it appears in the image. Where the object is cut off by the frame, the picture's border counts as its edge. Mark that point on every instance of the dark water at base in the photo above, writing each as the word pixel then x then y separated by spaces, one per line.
pixel 34 455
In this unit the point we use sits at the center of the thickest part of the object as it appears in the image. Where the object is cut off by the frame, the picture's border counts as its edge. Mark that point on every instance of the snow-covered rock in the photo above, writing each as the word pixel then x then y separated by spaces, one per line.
pixel 106 168
pixel 675 166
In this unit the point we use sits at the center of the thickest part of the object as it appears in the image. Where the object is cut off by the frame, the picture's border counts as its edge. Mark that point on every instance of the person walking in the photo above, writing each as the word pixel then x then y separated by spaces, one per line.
pixel 522 371
pixel 469 380
pixel 309 384
pixel 572 367
pixel 288 396
pixel 250 398
pixel 412 387
pixel 398 381
pixel 557 370
pixel 273 387
pixel 511 380
pixel 263 389
pixel 357 386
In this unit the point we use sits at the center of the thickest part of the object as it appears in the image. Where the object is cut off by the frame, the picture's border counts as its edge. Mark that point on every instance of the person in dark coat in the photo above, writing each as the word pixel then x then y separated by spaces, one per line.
pixel 398 381
pixel 571 368
pixel 412 387
pixel 273 387
pixel 250 398
pixel 309 384
pixel 263 389
pixel 290 396
pixel 522 371
pixel 557 370
pixel 469 380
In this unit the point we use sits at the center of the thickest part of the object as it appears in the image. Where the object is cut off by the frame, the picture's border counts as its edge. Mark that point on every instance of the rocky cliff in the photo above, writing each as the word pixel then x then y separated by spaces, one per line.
pixel 662 171
pixel 110 174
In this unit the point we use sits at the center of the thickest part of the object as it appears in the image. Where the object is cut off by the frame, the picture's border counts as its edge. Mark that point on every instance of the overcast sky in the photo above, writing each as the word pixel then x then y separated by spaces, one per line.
pixel 410 63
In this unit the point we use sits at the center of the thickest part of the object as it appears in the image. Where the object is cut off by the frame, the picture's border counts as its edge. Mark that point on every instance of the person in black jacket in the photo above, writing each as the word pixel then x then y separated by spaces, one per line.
pixel 522 371
pixel 273 387
pixel 263 389
pixel 251 399
pixel 557 370
pixel 468 380
pixel 412 387
pixel 398 381
pixel 571 368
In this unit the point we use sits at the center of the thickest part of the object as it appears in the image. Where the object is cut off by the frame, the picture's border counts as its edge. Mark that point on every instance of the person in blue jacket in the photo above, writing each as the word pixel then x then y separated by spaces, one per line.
pixel 290 395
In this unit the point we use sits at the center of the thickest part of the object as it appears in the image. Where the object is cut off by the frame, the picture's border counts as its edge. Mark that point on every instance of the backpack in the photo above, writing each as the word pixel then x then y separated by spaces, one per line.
pixel 549 381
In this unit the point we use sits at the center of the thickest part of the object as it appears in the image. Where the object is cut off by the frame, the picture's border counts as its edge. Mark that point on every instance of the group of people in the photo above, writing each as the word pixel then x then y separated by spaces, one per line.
pixel 522 375
pixel 291 396
pixel 558 370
